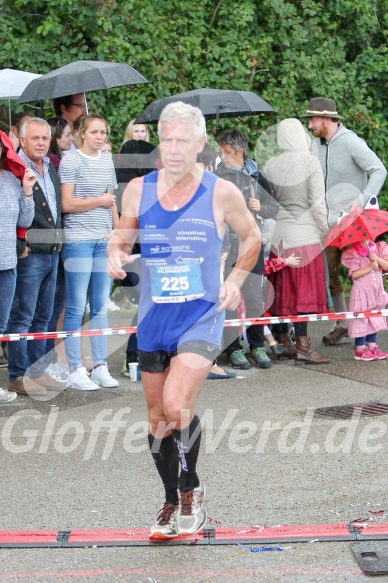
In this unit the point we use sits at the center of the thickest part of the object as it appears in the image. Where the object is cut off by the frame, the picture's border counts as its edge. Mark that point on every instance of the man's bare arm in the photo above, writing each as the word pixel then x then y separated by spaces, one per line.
pixel 122 239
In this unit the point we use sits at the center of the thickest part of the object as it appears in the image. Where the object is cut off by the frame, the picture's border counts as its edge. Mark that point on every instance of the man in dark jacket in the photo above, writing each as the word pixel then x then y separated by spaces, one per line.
pixel 37 267
pixel 136 158
pixel 238 168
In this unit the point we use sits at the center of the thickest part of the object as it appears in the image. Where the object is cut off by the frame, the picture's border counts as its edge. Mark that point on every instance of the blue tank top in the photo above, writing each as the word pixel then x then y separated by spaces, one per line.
pixel 181 274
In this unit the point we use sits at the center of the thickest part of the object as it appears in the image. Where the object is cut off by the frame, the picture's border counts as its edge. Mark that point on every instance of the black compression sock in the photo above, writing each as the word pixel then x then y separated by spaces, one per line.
pixel 188 441
pixel 165 456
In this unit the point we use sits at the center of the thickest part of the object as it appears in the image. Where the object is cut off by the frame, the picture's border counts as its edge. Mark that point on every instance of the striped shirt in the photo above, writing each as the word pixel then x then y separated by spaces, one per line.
pixel 14 210
pixel 91 176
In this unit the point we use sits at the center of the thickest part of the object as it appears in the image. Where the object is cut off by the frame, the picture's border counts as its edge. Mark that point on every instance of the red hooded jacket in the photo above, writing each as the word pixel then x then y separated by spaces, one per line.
pixel 14 164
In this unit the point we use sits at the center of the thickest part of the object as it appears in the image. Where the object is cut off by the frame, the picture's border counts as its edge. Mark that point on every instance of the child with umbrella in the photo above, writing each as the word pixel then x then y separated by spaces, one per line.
pixel 365 261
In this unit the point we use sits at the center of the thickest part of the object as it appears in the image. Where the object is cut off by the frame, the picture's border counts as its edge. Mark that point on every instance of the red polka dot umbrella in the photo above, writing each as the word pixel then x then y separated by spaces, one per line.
pixel 358 226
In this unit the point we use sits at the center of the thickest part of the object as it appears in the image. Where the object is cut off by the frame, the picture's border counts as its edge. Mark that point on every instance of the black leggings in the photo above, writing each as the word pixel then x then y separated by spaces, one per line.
pixel 299 327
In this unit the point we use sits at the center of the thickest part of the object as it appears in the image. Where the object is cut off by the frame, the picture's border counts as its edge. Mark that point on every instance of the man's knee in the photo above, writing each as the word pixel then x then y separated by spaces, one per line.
pixel 160 426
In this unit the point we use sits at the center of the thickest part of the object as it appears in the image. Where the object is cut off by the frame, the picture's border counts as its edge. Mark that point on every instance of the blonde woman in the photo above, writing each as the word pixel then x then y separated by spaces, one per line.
pixel 136 131
pixel 87 183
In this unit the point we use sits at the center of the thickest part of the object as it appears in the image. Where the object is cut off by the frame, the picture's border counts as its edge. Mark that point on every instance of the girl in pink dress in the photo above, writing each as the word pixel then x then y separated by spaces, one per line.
pixel 365 262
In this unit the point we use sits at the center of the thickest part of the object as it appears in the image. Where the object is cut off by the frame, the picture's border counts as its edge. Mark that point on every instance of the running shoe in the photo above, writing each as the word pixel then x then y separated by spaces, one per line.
pixel 364 354
pixel 258 356
pixel 80 381
pixel 165 526
pixel 102 377
pixel 125 369
pixel 58 371
pixel 380 355
pixel 192 513
pixel 7 396
pixel 237 359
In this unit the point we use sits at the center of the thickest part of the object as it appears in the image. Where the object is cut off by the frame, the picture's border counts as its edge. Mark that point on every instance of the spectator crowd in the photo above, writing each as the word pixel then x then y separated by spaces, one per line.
pixel 60 201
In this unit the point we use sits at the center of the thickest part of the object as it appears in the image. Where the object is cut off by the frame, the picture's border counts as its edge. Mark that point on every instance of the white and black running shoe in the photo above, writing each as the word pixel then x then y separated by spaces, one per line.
pixel 165 526
pixel 192 514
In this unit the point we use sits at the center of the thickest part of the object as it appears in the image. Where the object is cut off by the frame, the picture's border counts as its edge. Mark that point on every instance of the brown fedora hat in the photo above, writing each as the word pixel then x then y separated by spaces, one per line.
pixel 322 107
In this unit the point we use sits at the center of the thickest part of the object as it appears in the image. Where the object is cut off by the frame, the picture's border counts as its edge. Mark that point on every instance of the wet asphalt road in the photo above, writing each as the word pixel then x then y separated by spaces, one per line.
pixel 80 461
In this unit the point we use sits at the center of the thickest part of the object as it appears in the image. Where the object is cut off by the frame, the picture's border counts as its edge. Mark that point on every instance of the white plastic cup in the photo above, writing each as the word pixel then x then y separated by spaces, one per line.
pixel 134 371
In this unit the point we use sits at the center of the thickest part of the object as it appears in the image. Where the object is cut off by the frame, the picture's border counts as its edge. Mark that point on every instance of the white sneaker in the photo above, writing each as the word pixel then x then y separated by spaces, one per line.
pixel 112 307
pixel 165 526
pixel 191 515
pixel 80 381
pixel 58 371
pixel 7 396
pixel 100 375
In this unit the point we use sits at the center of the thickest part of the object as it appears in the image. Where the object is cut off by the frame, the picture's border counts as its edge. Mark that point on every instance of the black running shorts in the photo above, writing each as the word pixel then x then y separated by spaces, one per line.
pixel 159 360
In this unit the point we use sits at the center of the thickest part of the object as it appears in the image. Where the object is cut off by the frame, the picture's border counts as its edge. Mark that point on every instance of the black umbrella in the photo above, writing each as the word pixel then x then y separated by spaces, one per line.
pixel 79 77
pixel 214 103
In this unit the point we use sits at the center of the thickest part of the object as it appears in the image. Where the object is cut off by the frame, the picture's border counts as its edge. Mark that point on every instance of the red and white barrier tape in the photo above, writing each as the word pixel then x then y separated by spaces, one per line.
pixel 264 320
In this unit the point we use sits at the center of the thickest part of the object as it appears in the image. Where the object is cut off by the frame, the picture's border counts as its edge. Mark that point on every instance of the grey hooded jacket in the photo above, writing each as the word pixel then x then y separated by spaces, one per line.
pixel 351 171
pixel 297 181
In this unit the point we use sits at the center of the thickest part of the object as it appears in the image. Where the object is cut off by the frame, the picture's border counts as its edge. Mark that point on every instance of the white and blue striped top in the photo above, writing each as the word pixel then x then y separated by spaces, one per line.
pixel 91 176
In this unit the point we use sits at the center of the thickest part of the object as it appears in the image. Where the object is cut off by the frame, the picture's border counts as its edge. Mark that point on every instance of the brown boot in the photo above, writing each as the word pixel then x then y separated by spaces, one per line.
pixel 335 335
pixel 19 385
pixel 285 340
pixel 304 354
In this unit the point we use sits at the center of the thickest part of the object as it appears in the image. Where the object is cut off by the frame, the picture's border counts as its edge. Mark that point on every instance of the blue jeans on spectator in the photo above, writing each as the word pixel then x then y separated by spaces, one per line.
pixel 7 287
pixel 85 269
pixel 31 312
pixel 59 303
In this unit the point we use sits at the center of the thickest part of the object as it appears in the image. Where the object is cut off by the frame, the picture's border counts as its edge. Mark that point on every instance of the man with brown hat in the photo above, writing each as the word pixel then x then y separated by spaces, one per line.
pixel 353 173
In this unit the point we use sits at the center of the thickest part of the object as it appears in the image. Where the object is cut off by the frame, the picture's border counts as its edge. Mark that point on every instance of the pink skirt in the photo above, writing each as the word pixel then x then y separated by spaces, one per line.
pixel 300 290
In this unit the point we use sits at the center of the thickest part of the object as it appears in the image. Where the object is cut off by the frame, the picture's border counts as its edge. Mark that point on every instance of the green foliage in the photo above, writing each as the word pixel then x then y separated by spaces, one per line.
pixel 287 51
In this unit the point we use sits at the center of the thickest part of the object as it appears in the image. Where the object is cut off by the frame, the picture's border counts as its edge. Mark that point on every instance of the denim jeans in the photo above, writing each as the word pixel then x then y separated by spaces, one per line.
pixel 85 270
pixel 59 304
pixel 7 287
pixel 31 312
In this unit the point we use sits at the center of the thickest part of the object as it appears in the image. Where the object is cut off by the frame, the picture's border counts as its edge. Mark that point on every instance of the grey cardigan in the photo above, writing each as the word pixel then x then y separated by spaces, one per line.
pixel 351 171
